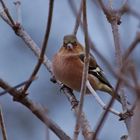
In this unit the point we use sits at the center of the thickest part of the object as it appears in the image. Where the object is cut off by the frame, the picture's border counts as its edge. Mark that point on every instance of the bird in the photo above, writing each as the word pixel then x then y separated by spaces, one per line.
pixel 68 64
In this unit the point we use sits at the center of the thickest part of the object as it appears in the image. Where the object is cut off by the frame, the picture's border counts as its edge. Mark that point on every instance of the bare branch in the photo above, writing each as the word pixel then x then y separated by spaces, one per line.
pixel 17 86
pixel 86 128
pixel 113 17
pixel 43 48
pixel 4 17
pixel 78 19
pixel 131 47
pixel 135 124
pixel 85 73
pixel 35 49
pixel 18 10
pixel 2 125
pixel 36 109
pixel 98 99
pixel 7 12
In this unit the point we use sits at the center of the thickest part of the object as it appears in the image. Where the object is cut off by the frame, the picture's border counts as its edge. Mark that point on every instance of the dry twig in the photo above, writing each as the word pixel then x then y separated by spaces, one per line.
pixel 113 18
pixel 43 48
pixel 2 125
pixel 85 73
pixel 36 109
pixel 35 49
pixel 18 10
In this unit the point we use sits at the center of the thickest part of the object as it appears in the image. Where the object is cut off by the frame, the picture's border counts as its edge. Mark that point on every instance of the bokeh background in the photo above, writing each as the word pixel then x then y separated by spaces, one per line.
pixel 17 62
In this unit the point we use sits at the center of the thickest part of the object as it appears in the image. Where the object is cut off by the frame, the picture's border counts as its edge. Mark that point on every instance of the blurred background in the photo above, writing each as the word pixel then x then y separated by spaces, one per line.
pixel 17 62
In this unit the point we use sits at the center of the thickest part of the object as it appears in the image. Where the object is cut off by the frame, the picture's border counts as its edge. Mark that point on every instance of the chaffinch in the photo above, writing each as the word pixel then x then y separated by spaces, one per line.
pixel 68 65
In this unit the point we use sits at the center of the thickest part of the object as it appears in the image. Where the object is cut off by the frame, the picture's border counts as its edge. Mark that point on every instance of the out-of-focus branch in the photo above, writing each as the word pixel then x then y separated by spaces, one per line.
pixel 100 102
pixel 4 17
pixel 135 123
pixel 85 72
pixel 43 48
pixel 127 9
pixel 116 74
pixel 2 125
pixel 113 17
pixel 78 18
pixel 85 126
pixel 95 50
pixel 17 86
pixel 47 63
pixel 7 12
pixel 36 109
pixel 28 41
pixel 131 47
pixel 18 10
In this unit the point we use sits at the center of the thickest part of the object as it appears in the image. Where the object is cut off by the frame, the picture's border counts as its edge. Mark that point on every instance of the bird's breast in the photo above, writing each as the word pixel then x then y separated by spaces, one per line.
pixel 68 70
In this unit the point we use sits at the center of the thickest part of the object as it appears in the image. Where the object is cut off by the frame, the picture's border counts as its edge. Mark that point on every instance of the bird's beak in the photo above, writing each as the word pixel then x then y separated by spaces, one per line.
pixel 69 45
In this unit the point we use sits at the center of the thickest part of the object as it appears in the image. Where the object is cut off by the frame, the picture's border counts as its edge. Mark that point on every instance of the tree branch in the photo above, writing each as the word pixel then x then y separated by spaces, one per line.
pixel 85 72
pixel 2 125
pixel 36 109
pixel 43 48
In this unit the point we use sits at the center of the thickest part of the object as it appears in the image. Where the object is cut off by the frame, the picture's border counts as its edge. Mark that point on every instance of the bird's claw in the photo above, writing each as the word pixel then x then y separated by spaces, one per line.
pixel 63 87
pixel 52 79
pixel 74 104
pixel 125 115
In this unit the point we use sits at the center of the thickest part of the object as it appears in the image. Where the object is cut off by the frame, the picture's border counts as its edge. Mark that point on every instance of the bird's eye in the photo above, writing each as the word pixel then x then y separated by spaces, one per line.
pixel 73 43
pixel 64 44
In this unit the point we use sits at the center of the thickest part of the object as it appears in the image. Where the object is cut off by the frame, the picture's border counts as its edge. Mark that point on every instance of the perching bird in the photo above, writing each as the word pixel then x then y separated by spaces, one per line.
pixel 68 65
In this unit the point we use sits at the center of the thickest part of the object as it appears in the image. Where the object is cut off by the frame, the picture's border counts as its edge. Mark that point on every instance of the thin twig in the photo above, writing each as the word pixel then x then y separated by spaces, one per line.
pixel 131 47
pixel 18 10
pixel 85 126
pixel 103 118
pixel 28 41
pixel 35 49
pixel 2 125
pixel 44 46
pixel 78 19
pixel 17 86
pixel 77 14
pixel 4 17
pixel 36 109
pixel 130 10
pixel 85 73
pixel 95 50
pixel 116 36
pixel 98 99
pixel 7 12
pixel 114 20
pixel 47 63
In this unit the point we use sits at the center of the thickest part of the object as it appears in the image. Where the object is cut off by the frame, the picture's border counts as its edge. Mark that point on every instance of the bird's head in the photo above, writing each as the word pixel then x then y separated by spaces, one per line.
pixel 69 41
pixel 71 44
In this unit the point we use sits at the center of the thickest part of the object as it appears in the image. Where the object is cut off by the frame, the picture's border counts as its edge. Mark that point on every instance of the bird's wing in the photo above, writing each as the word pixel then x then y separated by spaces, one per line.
pixel 95 69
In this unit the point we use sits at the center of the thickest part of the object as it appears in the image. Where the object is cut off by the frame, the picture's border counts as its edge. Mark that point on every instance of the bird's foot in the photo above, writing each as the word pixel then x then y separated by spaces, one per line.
pixel 74 103
pixel 63 87
pixel 125 115
pixel 52 79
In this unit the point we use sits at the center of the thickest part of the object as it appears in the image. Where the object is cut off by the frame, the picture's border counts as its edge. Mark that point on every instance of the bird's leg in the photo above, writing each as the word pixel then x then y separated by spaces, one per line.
pixel 99 100
pixel 53 79
pixel 64 86
pixel 69 94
